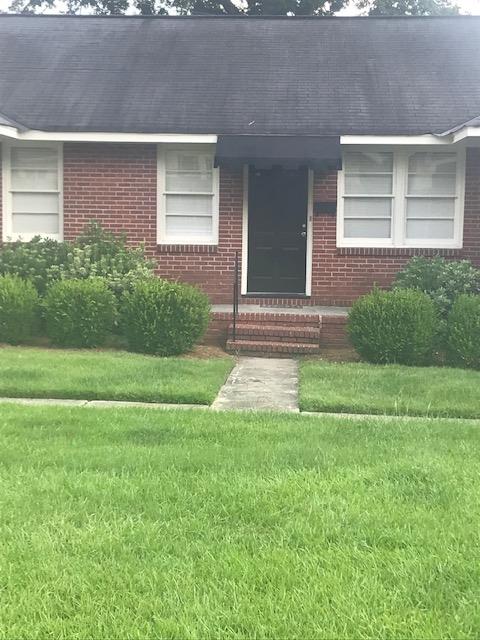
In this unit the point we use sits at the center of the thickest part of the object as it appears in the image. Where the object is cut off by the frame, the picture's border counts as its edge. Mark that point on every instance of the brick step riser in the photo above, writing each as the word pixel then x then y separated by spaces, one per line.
pixel 252 346
pixel 276 333
pixel 273 353
pixel 241 337
pixel 255 353
pixel 309 320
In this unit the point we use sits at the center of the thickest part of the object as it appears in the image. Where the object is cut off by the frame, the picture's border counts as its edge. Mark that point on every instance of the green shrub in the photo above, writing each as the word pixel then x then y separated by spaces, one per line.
pixel 164 318
pixel 96 252
pixel 18 309
pixel 463 332
pixel 35 260
pixel 443 280
pixel 100 253
pixel 394 327
pixel 79 313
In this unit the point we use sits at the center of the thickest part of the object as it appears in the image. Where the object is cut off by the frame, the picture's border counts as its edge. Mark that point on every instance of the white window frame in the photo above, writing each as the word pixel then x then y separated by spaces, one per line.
pixel 7 218
pixel 162 197
pixel 399 203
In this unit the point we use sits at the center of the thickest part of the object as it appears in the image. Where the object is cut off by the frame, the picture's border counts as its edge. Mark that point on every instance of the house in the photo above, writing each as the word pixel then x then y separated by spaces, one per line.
pixel 324 151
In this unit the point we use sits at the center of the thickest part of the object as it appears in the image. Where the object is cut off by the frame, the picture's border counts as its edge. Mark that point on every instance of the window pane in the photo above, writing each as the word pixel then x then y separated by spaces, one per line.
pixel 35 203
pixel 368 183
pixel 189 227
pixel 34 158
pixel 177 160
pixel 185 182
pixel 367 229
pixel 434 208
pixel 368 207
pixel 368 162
pixel 430 229
pixel 435 185
pixel 34 179
pixel 34 223
pixel 189 204
pixel 432 173
pixel 424 162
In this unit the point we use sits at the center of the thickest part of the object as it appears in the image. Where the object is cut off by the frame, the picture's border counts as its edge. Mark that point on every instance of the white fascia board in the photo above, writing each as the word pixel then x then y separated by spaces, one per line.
pixel 427 139
pixel 8 132
pixel 187 138
pixel 466 132
pixel 174 138
pixel 81 136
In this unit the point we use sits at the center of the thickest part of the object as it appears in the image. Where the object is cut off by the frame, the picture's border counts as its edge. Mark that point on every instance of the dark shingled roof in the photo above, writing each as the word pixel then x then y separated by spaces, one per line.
pixel 224 75
pixel 8 122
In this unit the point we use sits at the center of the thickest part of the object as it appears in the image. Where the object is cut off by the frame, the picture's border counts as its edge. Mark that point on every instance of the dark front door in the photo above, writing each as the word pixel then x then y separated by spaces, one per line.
pixel 277 231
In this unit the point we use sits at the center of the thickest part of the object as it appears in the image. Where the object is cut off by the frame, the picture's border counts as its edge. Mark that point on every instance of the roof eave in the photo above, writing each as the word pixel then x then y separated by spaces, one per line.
pixel 468 129
pixel 10 123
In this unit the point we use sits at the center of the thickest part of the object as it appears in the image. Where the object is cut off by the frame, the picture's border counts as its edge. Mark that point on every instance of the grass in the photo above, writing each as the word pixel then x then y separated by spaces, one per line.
pixel 389 389
pixel 109 375
pixel 168 524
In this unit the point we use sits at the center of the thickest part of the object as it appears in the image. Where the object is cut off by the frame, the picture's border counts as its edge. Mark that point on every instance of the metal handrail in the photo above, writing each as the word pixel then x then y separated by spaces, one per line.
pixel 235 297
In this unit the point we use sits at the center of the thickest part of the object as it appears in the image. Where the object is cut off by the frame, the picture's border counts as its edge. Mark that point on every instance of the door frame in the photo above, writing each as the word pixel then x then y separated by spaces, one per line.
pixel 309 251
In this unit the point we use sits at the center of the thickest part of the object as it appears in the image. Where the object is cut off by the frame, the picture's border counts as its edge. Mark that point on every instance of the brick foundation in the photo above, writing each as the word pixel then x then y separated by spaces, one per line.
pixel 217 331
pixel 333 332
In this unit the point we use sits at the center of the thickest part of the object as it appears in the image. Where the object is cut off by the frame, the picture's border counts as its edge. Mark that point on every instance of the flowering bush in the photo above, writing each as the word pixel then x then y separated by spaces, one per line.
pixel 36 260
pixel 95 253
pixel 443 280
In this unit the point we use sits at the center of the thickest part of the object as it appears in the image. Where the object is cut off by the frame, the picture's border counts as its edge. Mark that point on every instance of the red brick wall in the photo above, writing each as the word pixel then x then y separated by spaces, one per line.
pixel 211 268
pixel 334 332
pixel 471 228
pixel 116 185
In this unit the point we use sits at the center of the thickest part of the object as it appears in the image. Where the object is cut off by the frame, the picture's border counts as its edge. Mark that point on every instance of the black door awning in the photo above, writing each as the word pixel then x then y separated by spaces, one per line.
pixel 315 152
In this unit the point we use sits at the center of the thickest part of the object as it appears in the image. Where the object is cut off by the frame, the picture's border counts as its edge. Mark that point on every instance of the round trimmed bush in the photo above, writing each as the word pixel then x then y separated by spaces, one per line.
pixel 463 332
pixel 79 313
pixel 18 309
pixel 394 327
pixel 164 318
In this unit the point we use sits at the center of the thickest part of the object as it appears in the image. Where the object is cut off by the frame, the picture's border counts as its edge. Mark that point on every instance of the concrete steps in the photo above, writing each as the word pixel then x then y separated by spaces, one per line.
pixel 275 334
pixel 283 332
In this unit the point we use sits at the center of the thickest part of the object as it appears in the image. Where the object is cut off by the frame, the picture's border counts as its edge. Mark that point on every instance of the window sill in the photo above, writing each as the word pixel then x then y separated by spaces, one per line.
pixel 398 251
pixel 187 248
pixel 28 237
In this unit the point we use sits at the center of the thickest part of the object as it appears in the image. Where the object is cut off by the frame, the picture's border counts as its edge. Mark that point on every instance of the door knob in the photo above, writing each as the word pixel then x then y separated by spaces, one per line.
pixel 303 234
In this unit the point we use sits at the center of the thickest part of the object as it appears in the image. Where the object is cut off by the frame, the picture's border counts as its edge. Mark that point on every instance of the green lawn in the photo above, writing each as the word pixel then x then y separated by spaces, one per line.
pixel 109 375
pixel 165 524
pixel 389 389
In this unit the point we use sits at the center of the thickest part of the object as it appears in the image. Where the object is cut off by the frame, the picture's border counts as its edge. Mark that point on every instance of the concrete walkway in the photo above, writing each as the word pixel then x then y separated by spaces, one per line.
pixel 259 384
pixel 114 404
pixel 254 384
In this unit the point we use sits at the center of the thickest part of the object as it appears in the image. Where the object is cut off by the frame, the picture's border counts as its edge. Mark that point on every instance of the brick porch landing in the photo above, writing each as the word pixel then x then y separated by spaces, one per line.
pixel 278 330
